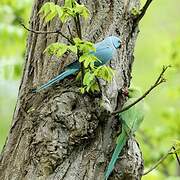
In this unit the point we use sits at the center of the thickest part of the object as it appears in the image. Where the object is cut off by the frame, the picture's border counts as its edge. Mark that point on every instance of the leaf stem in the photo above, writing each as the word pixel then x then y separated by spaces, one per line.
pixel 70 33
pixel 79 33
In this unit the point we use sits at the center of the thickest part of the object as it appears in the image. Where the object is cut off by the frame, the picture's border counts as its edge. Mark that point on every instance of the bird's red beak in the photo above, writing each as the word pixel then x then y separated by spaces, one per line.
pixel 125 91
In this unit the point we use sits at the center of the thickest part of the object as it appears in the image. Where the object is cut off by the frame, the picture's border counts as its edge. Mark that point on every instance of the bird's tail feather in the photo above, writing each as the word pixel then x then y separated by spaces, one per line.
pixel 121 141
pixel 57 78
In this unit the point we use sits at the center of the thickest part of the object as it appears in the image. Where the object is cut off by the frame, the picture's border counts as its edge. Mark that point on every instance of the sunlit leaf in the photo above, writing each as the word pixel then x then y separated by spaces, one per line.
pixel 73 49
pixel 88 77
pixel 84 46
pixel 69 3
pixel 82 90
pixel 57 49
pixel 82 10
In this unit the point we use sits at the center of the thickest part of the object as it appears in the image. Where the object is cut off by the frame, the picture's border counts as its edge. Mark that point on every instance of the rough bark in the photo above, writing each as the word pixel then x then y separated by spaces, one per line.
pixel 59 133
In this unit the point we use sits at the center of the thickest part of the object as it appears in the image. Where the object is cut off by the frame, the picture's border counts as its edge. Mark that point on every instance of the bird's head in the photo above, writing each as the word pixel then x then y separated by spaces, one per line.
pixel 116 41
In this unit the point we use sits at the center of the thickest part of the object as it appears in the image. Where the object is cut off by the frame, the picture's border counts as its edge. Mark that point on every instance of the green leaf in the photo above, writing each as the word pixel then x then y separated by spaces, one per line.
pixel 104 72
pixel 82 90
pixel 77 40
pixel 82 10
pixel 135 11
pixel 67 14
pixel 88 60
pixel 48 10
pixel 69 3
pixel 50 16
pixel 73 49
pixel 59 11
pixel 94 87
pixel 57 49
pixel 84 46
pixel 88 77
pixel 45 9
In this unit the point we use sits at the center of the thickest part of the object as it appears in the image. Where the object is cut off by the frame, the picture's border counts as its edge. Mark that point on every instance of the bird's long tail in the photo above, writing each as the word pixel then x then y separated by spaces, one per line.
pixel 57 78
pixel 121 141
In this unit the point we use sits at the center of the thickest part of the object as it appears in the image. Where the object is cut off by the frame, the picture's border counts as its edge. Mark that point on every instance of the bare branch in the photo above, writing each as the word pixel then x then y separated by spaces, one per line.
pixel 70 32
pixel 159 80
pixel 159 162
pixel 162 159
pixel 143 11
pixel 79 33
pixel 177 158
pixel 58 31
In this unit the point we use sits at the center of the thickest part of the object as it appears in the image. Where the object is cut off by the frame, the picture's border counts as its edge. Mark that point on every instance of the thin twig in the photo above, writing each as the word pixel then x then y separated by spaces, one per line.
pixel 159 162
pixel 58 31
pixel 138 18
pixel 79 26
pixel 77 29
pixel 143 11
pixel 99 84
pixel 177 158
pixel 70 32
pixel 147 140
pixel 159 80
pixel 79 33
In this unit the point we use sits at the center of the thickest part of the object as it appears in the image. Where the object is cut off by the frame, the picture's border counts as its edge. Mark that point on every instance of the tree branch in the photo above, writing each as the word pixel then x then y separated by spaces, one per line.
pixel 143 11
pixel 159 80
pixel 138 17
pixel 159 162
pixel 162 159
pixel 70 33
pixel 58 31
pixel 79 33
pixel 177 158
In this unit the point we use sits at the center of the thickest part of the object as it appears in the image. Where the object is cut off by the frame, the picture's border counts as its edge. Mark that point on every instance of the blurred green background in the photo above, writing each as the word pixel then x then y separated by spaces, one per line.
pixel 158 44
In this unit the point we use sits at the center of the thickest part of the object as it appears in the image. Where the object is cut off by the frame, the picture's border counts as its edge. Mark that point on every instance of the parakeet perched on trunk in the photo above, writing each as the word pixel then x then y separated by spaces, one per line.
pixel 105 50
pixel 130 121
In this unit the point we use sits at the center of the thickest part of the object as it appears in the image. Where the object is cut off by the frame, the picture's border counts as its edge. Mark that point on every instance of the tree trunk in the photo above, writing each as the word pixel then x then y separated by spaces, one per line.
pixel 59 133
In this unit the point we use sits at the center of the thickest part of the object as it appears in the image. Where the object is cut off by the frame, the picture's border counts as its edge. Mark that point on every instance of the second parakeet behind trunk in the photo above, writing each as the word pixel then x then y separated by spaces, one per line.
pixel 130 121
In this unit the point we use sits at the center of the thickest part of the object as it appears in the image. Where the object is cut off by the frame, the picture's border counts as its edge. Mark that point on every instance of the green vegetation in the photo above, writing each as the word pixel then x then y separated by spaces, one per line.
pixel 12 43
pixel 158 43
pixel 71 10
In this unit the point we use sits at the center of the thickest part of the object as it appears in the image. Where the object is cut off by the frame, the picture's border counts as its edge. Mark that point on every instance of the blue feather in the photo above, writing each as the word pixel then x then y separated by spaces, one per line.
pixel 57 78
pixel 104 52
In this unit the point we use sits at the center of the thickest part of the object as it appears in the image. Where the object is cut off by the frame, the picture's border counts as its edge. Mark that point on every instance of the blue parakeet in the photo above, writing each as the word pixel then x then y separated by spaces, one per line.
pixel 130 120
pixel 105 51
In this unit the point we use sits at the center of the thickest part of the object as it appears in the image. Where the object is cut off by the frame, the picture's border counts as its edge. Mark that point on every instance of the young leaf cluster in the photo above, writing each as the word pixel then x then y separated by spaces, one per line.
pixel 58 49
pixel 70 9
pixel 83 49
pixel 90 79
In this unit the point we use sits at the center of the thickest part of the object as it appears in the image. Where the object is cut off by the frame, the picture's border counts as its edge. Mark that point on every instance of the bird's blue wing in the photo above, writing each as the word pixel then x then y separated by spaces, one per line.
pixel 104 54
pixel 73 65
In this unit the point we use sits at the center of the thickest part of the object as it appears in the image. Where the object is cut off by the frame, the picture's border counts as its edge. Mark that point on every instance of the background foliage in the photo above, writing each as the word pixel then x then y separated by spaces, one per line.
pixel 158 43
